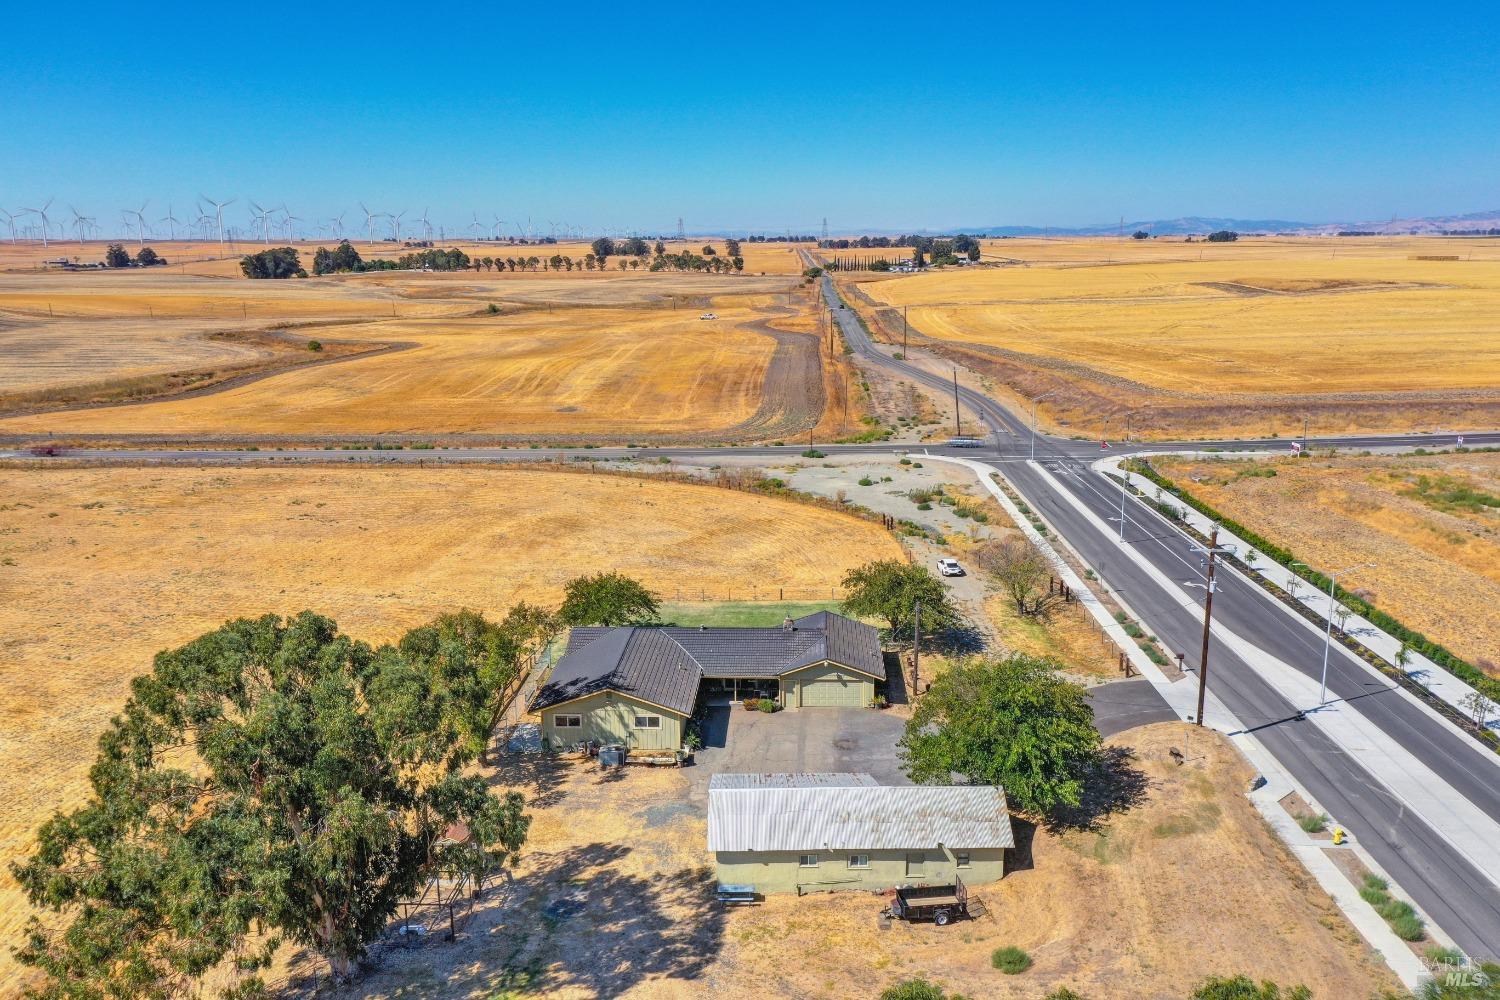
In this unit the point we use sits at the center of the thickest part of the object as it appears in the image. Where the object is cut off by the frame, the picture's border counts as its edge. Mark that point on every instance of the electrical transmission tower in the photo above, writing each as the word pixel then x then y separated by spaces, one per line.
pixel 681 233
pixel 825 227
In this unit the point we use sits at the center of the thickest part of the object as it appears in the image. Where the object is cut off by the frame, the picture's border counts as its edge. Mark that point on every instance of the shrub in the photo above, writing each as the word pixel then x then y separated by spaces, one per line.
pixel 1063 993
pixel 1313 824
pixel 915 989
pixel 314 345
pixel 1010 960
pixel 866 481
pixel 751 704
pixel 1375 897
pixel 1395 909
pixel 905 461
pixel 1244 988
pixel 767 705
pixel 1373 881
pixel 813 453
pixel 1409 927
pixel 492 309
pixel 1438 955
pixel 924 505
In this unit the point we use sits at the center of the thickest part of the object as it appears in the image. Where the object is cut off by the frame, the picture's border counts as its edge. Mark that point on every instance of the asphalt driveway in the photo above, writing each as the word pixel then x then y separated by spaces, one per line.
pixel 796 741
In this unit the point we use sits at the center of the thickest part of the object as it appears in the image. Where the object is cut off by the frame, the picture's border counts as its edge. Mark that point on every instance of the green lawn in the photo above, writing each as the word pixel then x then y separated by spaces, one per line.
pixel 740 614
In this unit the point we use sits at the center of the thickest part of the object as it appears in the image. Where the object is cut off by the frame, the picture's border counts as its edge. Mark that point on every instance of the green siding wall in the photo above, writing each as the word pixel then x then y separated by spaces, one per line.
pixel 609 718
pixel 772 872
pixel 857 690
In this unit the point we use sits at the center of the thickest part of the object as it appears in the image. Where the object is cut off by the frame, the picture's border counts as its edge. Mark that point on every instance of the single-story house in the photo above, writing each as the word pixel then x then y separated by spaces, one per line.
pixel 638 685
pixel 823 832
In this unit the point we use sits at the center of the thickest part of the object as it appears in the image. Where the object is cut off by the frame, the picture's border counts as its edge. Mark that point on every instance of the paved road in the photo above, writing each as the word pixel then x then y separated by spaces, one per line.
pixel 1452 891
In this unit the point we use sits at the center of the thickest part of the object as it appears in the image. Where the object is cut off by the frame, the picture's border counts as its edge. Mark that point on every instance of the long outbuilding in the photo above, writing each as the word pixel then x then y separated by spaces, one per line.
pixel 825 832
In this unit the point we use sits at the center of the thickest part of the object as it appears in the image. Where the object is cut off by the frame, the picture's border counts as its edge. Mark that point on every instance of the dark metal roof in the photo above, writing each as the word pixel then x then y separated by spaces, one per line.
pixel 663 665
pixel 640 662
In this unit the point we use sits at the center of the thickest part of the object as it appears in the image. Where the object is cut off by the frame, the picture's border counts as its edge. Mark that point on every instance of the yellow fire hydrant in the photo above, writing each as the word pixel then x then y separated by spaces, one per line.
pixel 1339 836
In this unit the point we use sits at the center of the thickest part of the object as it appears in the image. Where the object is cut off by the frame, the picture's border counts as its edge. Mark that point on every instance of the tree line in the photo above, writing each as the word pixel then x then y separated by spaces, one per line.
pixel 117 256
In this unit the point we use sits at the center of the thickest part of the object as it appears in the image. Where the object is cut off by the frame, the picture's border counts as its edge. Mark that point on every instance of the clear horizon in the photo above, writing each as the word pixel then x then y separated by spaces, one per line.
pixel 609 119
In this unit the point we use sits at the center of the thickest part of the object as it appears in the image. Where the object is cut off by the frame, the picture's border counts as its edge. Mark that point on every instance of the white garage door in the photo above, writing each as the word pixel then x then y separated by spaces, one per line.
pixel 829 694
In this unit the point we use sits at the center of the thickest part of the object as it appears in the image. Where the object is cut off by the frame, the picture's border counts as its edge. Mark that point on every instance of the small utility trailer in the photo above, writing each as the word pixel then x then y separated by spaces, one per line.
pixel 942 904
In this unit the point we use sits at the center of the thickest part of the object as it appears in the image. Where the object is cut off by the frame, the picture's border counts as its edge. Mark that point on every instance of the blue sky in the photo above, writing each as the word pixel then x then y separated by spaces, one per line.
pixel 758 116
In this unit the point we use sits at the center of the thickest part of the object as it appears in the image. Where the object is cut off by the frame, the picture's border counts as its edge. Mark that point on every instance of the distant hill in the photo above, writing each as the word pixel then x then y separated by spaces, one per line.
pixel 1194 225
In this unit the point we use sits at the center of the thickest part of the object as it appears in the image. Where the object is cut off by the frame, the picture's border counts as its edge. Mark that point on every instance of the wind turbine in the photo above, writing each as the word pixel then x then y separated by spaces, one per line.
pixel 263 216
pixel 171 224
pixel 426 226
pixel 80 223
pixel 336 226
pixel 495 229
pixel 396 223
pixel 475 227
pixel 370 218
pixel 218 214
pixel 140 221
pixel 43 213
pixel 10 220
pixel 291 229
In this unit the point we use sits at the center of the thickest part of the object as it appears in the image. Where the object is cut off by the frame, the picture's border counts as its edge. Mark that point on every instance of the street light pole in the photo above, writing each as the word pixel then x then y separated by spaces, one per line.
pixel 1208 611
pixel 1328 628
pixel 1124 481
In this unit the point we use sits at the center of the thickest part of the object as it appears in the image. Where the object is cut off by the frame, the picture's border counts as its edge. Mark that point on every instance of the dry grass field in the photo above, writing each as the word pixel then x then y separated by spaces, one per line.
pixel 621 906
pixel 1431 524
pixel 101 568
pixel 566 355
pixel 1239 338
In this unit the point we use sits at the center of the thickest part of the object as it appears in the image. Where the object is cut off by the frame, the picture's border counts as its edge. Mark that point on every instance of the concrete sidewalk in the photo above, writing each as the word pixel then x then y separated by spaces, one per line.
pixel 1434 678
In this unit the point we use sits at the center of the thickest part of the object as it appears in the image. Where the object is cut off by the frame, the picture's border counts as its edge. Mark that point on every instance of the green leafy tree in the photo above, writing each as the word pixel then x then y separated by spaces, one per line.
pixel 813 272
pixel 279 262
pixel 1014 722
pixel 472 662
pixel 738 262
pixel 1244 988
pixel 603 247
pixel 731 248
pixel 1140 234
pixel 889 589
pixel 607 599
pixel 116 256
pixel 271 780
pixel 146 257
pixel 1223 236
pixel 660 248
pixel 708 251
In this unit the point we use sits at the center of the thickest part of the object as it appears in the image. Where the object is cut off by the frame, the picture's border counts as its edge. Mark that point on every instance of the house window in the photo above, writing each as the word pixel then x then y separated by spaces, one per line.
pixel 648 722
pixel 961 859
pixel 568 721
pixel 859 861
pixel 807 861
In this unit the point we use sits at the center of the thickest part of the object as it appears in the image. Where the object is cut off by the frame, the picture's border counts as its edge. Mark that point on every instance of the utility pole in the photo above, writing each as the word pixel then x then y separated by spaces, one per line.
pixel 1305 422
pixel 1124 482
pixel 958 415
pixel 916 647
pixel 1208 611
pixel 904 351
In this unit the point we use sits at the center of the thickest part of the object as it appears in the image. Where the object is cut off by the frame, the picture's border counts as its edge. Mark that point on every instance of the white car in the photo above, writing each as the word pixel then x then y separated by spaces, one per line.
pixel 709 316
pixel 950 567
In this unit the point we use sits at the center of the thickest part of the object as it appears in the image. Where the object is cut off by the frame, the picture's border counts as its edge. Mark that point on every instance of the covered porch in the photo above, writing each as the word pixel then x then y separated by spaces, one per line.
pixel 733 690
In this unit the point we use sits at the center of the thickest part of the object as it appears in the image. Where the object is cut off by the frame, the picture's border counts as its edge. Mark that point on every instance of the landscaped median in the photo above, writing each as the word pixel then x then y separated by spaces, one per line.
pixel 1464 693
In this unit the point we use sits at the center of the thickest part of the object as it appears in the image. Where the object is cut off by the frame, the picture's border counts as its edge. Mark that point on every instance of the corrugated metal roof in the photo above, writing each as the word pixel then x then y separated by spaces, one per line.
pixel 819 779
pixel 640 662
pixel 883 817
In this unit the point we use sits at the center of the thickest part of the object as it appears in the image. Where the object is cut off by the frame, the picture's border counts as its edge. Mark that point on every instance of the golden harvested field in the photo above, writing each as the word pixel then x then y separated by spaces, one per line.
pixel 1226 338
pixel 568 355
pixel 101 568
pixel 1436 548
pixel 629 899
